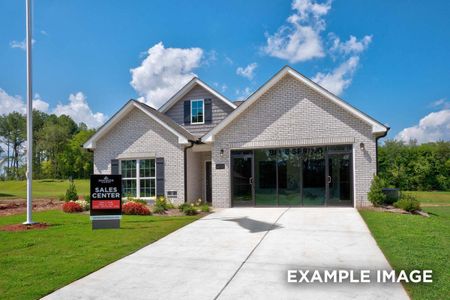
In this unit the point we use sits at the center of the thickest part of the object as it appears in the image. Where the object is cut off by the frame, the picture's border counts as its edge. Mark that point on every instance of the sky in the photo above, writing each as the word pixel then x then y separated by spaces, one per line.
pixel 389 59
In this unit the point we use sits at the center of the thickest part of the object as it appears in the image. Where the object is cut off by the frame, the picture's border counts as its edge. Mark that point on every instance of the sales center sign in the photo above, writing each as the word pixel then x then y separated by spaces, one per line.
pixel 106 195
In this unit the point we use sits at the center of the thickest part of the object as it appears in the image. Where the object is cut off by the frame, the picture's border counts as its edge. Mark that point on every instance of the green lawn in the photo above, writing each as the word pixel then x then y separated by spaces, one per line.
pixel 414 242
pixel 46 188
pixel 35 263
pixel 433 198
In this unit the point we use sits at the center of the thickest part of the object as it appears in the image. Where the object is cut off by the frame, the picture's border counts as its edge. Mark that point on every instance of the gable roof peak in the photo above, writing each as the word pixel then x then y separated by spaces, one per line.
pixel 187 88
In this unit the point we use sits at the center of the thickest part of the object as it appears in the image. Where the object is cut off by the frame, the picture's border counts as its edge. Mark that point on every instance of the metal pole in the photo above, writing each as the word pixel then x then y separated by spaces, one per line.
pixel 29 173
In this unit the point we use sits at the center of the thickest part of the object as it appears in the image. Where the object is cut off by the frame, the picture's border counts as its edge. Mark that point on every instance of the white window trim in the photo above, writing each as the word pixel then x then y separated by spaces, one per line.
pixel 203 110
pixel 138 176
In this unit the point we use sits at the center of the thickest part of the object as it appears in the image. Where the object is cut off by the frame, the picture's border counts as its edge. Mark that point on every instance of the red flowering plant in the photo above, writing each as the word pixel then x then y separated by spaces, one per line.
pixel 72 207
pixel 135 208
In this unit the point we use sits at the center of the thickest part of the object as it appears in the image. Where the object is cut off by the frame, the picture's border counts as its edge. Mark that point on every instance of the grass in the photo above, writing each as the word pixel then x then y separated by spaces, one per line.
pixel 432 198
pixel 414 242
pixel 46 188
pixel 35 263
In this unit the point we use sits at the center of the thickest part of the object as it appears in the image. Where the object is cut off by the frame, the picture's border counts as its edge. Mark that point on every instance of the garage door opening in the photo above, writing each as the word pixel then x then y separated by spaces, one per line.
pixel 310 176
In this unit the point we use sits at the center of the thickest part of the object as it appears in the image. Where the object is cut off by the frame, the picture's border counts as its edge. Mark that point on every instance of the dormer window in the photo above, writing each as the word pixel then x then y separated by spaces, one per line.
pixel 197 111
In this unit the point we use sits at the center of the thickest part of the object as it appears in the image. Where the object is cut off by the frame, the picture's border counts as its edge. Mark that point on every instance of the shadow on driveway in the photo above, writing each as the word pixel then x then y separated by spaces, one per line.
pixel 254 225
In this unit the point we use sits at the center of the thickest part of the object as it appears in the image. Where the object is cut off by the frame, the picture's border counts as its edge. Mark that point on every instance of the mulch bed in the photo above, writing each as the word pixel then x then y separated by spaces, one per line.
pixel 17 206
pixel 22 227
pixel 392 209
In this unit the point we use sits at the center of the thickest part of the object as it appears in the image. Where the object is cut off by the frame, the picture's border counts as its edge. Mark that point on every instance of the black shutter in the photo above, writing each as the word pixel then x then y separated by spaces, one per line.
pixel 114 166
pixel 187 112
pixel 160 176
pixel 208 111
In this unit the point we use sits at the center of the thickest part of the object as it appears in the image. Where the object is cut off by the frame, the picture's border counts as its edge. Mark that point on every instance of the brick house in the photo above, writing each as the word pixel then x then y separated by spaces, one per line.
pixel 291 143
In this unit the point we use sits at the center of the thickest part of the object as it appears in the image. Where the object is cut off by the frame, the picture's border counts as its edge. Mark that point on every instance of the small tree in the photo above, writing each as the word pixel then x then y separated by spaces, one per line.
pixel 376 195
pixel 71 192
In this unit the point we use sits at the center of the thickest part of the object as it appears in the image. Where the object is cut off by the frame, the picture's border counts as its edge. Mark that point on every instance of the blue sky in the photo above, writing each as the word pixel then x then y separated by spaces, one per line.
pixel 395 68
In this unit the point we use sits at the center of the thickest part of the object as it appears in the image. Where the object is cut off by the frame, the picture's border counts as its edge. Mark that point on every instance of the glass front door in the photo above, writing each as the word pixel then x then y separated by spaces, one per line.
pixel 339 180
pixel 242 180
pixel 314 187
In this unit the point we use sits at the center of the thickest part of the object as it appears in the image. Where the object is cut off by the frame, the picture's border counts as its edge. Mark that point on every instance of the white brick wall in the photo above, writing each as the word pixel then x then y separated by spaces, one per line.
pixel 292 114
pixel 138 136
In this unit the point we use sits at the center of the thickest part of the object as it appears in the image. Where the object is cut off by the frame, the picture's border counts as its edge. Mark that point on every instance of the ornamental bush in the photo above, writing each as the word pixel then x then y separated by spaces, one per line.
pixel 134 208
pixel 376 195
pixel 83 203
pixel 190 210
pixel 408 202
pixel 72 207
pixel 205 208
pixel 71 192
pixel 158 209
pixel 161 201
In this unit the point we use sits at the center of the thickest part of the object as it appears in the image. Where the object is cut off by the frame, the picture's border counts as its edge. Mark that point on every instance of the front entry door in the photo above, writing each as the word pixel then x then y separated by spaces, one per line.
pixel 242 180
pixel 339 180
pixel 208 184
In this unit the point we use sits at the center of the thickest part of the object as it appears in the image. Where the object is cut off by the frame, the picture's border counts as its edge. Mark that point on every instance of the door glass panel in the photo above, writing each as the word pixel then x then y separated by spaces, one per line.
pixel 340 185
pixel 289 168
pixel 313 177
pixel 241 174
pixel 265 177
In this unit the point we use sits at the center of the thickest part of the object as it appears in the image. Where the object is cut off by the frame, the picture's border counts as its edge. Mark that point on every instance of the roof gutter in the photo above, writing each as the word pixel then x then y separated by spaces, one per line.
pixel 376 147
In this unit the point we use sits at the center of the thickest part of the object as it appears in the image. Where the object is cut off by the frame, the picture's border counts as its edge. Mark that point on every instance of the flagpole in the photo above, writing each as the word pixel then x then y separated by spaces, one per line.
pixel 29 173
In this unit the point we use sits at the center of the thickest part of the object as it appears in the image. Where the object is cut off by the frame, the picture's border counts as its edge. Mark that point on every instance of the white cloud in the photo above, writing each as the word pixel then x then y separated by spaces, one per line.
pixel 340 78
pixel 351 46
pixel 163 72
pixel 300 40
pixel 78 109
pixel 248 71
pixel 244 93
pixel 10 103
pixel 443 103
pixel 21 45
pixel 433 127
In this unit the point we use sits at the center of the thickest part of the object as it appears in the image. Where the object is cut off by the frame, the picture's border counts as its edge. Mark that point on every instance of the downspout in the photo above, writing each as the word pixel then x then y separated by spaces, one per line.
pixel 376 147
pixel 185 167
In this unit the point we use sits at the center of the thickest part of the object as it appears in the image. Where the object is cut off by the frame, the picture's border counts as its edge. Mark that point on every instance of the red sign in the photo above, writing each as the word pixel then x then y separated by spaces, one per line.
pixel 106 204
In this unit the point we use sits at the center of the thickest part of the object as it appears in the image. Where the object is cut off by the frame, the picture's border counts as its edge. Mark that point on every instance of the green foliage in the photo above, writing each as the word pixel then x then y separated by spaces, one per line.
pixel 190 210
pixel 376 195
pixel 408 202
pixel 183 206
pixel 87 198
pixel 164 203
pixel 71 193
pixel 57 151
pixel 205 208
pixel 158 209
pixel 137 200
pixel 414 167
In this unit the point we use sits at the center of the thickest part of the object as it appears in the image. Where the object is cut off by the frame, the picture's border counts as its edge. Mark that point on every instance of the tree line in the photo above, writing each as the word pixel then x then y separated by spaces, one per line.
pixel 57 147
pixel 413 167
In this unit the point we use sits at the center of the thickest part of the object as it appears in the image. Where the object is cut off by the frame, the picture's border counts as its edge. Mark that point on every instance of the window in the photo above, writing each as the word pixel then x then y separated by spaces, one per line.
pixel 197 112
pixel 138 178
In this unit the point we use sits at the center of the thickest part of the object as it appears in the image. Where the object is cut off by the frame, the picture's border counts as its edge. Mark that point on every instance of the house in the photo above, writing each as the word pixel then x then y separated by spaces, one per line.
pixel 291 143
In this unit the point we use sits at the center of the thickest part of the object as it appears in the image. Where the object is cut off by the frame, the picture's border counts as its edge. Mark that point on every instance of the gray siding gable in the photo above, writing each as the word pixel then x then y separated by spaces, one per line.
pixel 220 110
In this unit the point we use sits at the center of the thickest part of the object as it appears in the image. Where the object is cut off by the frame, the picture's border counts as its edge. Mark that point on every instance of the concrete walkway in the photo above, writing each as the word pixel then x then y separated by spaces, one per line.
pixel 244 253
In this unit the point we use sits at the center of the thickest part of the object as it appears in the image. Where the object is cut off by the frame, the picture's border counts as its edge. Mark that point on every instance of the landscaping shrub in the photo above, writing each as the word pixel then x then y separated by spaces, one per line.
pixel 72 207
pixel 162 202
pixel 87 198
pixel 158 209
pixel 137 200
pixel 71 192
pixel 408 202
pixel 205 208
pixel 134 208
pixel 376 195
pixel 190 210
pixel 183 206
pixel 83 203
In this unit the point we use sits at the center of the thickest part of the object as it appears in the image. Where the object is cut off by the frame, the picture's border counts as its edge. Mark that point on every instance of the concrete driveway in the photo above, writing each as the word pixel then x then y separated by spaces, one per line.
pixel 244 253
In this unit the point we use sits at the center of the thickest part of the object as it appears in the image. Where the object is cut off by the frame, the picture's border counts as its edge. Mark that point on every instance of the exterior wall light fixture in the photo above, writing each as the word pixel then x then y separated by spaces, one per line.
pixel 221 152
pixel 362 146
